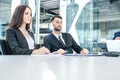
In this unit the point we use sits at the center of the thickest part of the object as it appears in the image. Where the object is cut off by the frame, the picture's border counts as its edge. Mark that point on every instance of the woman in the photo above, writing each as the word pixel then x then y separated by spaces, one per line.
pixel 19 35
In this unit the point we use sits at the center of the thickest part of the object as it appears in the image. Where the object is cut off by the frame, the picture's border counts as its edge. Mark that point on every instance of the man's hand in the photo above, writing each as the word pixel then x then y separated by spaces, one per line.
pixel 60 51
pixel 84 51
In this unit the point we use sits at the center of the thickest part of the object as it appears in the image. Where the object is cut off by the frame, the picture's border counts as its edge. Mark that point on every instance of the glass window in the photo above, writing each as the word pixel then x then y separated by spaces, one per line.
pixel 91 22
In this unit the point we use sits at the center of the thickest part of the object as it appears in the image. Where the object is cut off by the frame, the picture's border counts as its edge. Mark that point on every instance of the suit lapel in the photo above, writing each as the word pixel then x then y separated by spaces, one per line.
pixel 21 39
pixel 65 38
pixel 55 41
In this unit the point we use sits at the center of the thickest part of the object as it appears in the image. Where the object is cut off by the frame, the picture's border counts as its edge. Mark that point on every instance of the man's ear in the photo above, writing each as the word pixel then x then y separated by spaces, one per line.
pixel 51 25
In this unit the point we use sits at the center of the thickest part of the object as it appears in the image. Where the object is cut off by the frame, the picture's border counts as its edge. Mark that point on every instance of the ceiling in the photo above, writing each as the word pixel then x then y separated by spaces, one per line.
pixel 51 7
pixel 47 9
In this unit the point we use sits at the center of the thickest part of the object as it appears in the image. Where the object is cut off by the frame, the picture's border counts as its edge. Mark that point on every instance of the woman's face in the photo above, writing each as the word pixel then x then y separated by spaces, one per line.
pixel 27 16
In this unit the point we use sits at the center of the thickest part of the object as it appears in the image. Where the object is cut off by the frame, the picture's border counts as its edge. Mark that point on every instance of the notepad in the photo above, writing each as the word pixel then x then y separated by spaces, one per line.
pixel 89 54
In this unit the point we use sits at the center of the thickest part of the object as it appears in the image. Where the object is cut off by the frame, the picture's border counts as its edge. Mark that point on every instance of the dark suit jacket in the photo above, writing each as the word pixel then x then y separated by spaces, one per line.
pixel 17 42
pixel 53 44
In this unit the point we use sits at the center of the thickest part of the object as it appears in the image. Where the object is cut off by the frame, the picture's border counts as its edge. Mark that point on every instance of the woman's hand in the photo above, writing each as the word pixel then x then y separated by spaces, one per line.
pixel 42 50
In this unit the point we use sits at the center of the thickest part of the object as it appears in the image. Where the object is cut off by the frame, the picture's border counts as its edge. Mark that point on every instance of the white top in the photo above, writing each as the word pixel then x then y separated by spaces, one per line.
pixel 30 42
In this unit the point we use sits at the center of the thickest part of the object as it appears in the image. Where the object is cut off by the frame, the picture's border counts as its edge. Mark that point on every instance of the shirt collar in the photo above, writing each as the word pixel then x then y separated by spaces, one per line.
pixel 56 35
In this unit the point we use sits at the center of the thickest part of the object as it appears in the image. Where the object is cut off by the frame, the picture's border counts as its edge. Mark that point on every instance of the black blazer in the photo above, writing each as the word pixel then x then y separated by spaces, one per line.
pixel 53 44
pixel 17 42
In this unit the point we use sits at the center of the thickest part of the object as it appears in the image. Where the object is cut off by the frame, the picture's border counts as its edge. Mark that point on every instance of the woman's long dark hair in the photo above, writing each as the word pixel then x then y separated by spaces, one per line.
pixel 17 17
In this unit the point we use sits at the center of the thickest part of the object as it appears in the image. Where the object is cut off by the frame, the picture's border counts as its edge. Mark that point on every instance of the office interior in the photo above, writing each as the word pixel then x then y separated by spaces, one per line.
pixel 90 22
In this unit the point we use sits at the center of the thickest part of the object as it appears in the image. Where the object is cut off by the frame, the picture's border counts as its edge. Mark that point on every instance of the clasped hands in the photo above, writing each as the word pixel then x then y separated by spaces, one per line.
pixel 62 51
pixel 44 50
pixel 41 50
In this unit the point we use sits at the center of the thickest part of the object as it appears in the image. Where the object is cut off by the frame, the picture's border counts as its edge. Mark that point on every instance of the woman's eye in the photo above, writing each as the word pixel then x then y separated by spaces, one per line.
pixel 26 13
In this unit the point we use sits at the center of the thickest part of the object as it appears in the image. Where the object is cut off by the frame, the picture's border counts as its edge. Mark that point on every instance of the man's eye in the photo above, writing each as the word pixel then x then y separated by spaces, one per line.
pixel 57 22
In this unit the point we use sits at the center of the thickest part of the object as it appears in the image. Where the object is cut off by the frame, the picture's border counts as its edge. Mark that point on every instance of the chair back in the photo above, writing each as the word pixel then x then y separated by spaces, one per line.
pixel 4 48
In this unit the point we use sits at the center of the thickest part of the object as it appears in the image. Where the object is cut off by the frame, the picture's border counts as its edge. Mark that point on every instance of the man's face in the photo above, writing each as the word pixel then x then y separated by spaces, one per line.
pixel 57 23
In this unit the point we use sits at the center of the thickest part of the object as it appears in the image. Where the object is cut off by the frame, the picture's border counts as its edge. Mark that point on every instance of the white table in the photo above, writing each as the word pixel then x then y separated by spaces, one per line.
pixel 59 68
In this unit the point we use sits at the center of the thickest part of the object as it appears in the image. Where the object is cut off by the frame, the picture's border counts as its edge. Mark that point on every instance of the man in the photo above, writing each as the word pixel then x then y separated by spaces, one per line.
pixel 116 36
pixel 61 43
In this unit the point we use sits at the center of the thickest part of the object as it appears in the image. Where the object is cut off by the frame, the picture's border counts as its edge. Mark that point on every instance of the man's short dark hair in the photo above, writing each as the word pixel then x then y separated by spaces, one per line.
pixel 56 16
pixel 117 34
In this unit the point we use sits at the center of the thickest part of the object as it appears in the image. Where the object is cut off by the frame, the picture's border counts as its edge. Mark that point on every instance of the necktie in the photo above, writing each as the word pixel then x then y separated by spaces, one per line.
pixel 61 41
